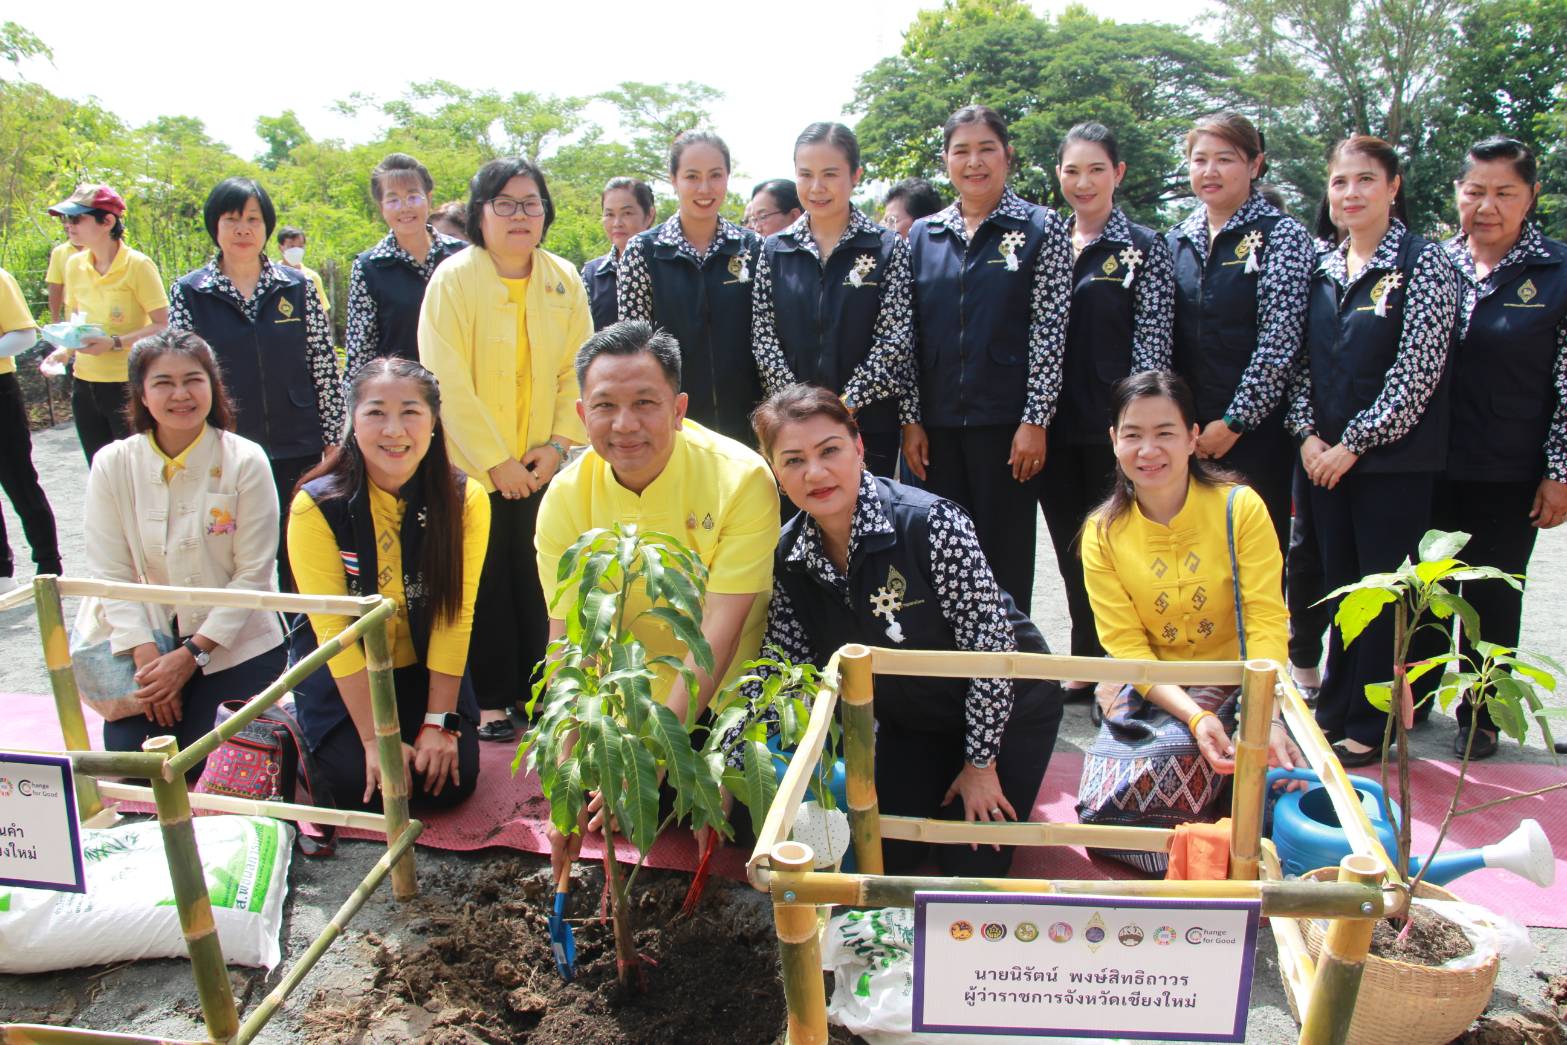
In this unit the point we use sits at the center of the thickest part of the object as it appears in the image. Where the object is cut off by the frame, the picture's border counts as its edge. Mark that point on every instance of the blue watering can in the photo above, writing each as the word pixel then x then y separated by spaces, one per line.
pixel 1308 835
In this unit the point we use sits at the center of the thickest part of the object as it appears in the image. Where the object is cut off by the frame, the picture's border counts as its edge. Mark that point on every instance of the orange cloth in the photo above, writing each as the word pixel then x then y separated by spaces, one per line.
pixel 1200 852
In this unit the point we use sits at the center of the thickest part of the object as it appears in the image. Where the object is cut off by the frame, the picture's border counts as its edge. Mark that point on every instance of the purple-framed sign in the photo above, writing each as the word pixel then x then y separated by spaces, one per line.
pixel 40 834
pixel 1083 966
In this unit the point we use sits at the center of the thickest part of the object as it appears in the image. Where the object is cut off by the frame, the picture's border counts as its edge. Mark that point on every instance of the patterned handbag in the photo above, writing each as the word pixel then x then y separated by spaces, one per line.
pixel 268 760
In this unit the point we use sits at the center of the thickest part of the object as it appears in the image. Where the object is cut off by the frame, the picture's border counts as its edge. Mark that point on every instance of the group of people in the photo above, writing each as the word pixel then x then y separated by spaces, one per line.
pixel 917 390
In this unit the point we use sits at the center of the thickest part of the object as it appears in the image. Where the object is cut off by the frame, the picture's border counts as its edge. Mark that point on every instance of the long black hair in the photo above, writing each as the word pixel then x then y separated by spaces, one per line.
pixel 1151 384
pixel 441 561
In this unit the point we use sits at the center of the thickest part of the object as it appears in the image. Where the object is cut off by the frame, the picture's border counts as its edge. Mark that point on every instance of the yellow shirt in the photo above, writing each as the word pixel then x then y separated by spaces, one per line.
pixel 318 570
pixel 468 338
pixel 177 462
pixel 315 277
pixel 517 294
pixel 1167 593
pixel 57 259
pixel 119 301
pixel 13 315
pixel 716 495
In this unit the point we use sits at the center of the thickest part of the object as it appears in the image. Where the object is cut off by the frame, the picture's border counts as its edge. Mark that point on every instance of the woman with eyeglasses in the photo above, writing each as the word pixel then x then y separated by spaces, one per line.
pixel 692 276
pixel 386 286
pixel 628 209
pixel 501 325
pixel 775 205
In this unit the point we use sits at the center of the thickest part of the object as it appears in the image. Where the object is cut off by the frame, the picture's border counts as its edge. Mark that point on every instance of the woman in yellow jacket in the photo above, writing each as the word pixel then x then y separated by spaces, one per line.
pixel 1181 563
pixel 501 324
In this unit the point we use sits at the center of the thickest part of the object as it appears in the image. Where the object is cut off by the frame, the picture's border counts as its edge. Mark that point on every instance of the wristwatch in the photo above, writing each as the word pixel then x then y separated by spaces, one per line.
pixel 1234 425
pixel 445 721
pixel 201 655
pixel 981 763
pixel 118 344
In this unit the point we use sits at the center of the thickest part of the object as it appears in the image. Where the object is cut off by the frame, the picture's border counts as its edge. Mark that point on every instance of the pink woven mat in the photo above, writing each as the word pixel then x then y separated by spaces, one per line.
pixel 510 812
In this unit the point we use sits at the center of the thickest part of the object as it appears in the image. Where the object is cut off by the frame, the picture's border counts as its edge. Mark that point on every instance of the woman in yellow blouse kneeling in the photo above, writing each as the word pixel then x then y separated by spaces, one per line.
pixel 1181 563
pixel 388 514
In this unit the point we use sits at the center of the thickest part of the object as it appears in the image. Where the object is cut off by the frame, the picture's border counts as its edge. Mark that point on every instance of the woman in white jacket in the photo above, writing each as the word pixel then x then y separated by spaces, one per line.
pixel 185 502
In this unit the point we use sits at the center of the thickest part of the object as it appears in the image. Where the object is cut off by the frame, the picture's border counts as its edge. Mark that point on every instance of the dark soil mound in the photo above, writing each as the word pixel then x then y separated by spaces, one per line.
pixel 1432 941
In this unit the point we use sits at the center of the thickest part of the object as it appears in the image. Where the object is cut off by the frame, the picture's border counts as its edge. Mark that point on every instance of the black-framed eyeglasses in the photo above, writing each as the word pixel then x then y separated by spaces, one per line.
pixel 756 219
pixel 505 207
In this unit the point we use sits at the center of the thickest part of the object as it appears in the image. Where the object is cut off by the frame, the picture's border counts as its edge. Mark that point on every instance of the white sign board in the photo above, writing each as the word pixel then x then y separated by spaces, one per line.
pixel 1085 966
pixel 40 835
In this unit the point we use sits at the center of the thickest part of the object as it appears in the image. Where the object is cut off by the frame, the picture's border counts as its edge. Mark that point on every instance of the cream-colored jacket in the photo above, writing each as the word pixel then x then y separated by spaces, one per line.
pixel 468 339
pixel 214 524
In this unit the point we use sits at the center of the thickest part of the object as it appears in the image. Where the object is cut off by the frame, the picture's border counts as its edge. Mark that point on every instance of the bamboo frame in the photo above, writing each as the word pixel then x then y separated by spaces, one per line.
pixel 784 868
pixel 1337 983
pixel 164 766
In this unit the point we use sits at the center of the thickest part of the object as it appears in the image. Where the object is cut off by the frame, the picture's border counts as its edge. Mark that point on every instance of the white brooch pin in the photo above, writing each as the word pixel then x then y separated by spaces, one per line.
pixel 1251 249
pixel 1008 247
pixel 1131 257
pixel 864 265
pixel 740 269
pixel 1384 290
pixel 885 603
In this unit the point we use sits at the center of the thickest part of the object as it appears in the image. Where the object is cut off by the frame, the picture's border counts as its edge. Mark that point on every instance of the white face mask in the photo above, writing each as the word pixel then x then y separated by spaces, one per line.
pixel 294 255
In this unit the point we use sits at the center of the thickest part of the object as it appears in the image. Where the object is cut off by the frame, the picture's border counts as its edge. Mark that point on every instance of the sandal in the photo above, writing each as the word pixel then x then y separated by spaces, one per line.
pixel 498 731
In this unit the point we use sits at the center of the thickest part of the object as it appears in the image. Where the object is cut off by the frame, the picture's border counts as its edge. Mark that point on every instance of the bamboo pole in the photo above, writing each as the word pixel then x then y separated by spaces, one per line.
pixel 370 623
pixel 62 682
pixel 1295 964
pixel 269 1005
pixel 1249 789
pixel 779 820
pixel 954 832
pixel 137 764
pixel 979 664
pixel 38 1034
pixel 1325 1021
pixel 18 596
pixel 1294 899
pixel 252 807
pixel 800 949
pixel 389 745
pixel 859 757
pixel 190 896
pixel 242 598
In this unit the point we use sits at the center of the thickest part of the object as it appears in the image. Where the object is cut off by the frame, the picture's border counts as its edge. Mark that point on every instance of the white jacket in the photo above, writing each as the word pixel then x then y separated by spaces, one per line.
pixel 213 525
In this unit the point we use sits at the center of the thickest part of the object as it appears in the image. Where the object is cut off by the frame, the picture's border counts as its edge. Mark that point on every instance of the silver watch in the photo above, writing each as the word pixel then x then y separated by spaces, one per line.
pixel 201 655
pixel 982 763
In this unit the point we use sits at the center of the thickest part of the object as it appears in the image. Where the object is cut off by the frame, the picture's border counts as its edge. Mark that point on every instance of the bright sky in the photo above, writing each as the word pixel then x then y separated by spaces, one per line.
pixel 228 64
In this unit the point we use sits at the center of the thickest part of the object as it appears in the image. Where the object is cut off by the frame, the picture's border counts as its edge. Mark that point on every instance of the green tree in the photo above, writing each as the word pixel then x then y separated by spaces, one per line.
pixel 651 115
pixel 282 134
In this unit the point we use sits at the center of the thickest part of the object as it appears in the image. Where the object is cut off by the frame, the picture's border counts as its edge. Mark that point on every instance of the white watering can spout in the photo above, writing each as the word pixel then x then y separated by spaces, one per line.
pixel 1526 852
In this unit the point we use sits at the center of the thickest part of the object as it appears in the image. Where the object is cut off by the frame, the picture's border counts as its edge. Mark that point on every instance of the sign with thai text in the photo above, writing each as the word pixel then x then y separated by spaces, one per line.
pixel 1085 966
pixel 40 835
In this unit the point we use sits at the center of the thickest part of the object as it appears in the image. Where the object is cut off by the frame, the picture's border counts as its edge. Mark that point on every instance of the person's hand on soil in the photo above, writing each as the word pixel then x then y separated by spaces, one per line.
pixel 1214 744
pixel 564 848
pixel 373 767
pixel 916 449
pixel 982 796
pixel 435 755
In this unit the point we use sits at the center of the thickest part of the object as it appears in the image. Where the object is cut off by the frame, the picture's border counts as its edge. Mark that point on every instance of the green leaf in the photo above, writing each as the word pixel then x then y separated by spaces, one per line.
pixel 689 633
pixel 1440 544
pixel 1457 604
pixel 1359 608
pixel 1430 572
pixel 638 810
pixel 565 796
pixel 1449 689
pixel 1380 695
pixel 1487 573
pixel 679 760
pixel 759 783
pixel 1414 671
pixel 1542 678
pixel 598 620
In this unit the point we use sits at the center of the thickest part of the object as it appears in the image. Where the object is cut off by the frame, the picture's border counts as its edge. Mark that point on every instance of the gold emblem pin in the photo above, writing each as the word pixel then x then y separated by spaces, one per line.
pixel 285 308
pixel 1109 266
pixel 1527 292
pixel 707 522
pixel 691 521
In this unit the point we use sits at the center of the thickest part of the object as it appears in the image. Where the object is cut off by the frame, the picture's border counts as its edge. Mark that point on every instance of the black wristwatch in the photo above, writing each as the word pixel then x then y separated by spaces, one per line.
pixel 1234 425
pixel 446 721
pixel 201 655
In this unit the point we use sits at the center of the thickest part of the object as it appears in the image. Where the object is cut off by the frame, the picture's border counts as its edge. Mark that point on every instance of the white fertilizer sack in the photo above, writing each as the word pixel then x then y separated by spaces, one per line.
pixel 128 910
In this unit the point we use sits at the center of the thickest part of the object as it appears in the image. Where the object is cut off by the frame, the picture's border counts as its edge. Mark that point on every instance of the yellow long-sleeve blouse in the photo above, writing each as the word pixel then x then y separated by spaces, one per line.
pixel 318 570
pixel 1167 592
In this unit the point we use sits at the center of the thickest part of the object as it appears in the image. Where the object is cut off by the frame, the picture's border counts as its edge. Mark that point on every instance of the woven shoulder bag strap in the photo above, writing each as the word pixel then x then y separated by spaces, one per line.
pixel 1235 568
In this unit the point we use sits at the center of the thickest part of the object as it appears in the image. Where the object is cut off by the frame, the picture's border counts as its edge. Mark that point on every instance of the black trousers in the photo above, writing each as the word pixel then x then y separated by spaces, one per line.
pixel 969 467
pixel 20 481
pixel 914 768
pixel 881 452
pixel 1368 523
pixel 1074 481
pixel 199 704
pixel 1266 459
pixel 510 618
pixel 1496 517
pixel 1303 581
pixel 98 408
pixel 341 756
pixel 286 472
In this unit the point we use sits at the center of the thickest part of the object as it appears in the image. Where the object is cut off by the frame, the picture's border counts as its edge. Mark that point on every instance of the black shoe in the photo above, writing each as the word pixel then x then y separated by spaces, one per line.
pixel 499 731
pixel 1561 747
pixel 1355 759
pixel 1484 745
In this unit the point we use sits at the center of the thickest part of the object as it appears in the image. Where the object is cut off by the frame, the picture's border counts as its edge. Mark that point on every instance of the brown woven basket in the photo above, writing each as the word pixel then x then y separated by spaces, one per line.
pixel 1404 1004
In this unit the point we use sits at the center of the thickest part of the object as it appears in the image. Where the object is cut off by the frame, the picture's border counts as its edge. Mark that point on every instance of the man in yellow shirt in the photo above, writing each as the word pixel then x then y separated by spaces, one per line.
pixel 54 279
pixel 118 289
pixel 649 466
pixel 291 247
pixel 18 333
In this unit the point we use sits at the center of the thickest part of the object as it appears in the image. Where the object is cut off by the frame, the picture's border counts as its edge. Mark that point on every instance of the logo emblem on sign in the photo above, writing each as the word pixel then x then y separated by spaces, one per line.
pixel 994 932
pixel 1060 932
pixel 961 930
pixel 1130 935
pixel 1164 935
pixel 1094 933
pixel 5 787
pixel 1026 932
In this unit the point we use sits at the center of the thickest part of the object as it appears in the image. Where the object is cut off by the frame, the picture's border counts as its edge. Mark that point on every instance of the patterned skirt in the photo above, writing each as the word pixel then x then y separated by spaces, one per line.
pixel 1144 769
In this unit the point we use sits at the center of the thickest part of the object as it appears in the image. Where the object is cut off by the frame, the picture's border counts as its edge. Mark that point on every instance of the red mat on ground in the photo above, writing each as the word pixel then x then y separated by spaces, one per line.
pixel 511 812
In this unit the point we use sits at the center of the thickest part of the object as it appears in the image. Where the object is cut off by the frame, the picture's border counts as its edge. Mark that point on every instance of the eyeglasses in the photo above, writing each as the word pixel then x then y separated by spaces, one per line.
pixel 418 199
pixel 760 216
pixel 505 206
